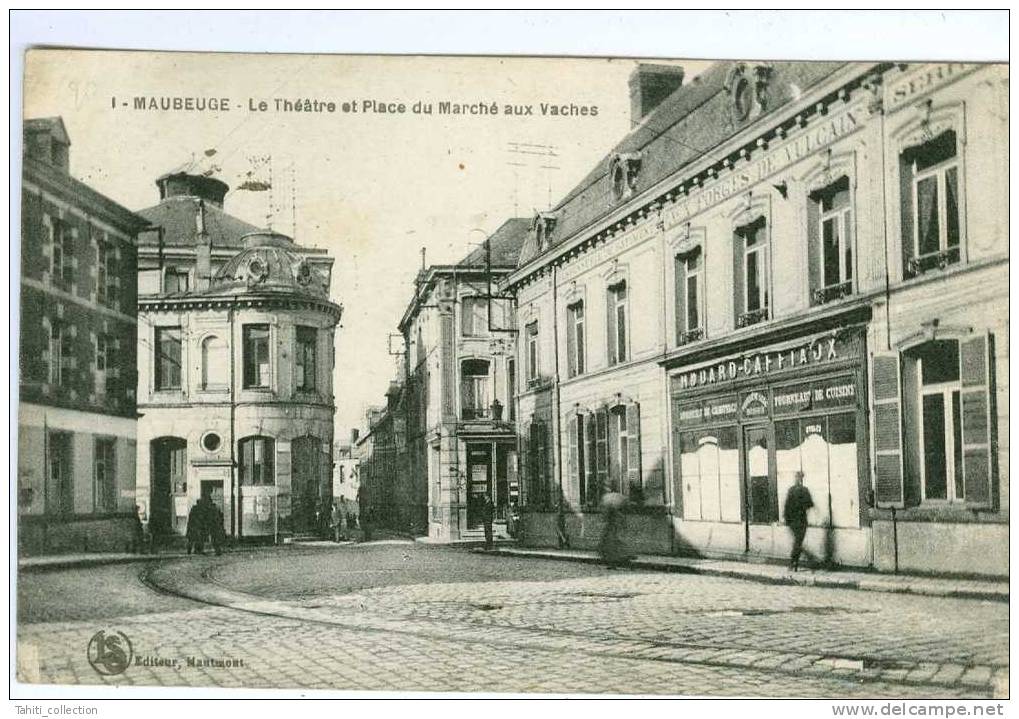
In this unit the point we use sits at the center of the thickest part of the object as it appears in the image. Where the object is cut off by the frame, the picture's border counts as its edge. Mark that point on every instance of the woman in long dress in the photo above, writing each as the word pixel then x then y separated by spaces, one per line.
pixel 611 547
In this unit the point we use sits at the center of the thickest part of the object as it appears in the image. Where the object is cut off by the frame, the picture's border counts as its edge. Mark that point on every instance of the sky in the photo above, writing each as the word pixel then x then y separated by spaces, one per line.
pixel 372 188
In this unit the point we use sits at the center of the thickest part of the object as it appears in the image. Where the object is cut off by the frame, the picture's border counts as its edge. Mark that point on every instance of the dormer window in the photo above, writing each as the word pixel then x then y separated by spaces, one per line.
pixel 544 224
pixel 623 172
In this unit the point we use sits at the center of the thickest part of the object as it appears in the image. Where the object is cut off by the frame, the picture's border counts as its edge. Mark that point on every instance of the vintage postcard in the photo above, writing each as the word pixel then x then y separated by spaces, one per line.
pixel 513 375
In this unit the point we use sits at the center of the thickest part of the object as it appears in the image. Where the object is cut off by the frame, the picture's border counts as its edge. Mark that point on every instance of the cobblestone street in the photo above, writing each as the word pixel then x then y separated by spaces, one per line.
pixel 399 616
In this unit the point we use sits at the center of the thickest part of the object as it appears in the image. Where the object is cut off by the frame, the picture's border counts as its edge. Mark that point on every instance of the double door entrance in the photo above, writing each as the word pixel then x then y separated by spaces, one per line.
pixel 487 475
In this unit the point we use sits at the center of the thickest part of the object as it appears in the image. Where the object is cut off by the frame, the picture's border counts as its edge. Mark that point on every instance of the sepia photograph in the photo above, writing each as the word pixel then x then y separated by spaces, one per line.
pixel 506 374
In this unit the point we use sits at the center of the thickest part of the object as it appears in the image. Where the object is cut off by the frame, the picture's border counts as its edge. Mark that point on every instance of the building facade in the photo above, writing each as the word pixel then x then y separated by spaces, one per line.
pixel 457 397
pixel 235 360
pixel 77 419
pixel 786 267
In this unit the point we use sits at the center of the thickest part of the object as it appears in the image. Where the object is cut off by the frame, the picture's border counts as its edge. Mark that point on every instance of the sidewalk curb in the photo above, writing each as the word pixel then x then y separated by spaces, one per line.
pixel 81 563
pixel 804 579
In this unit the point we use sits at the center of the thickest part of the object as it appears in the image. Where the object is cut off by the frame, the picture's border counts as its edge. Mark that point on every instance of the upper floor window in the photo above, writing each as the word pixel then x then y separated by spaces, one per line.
pixel 307 349
pixel 168 357
pixel 474 389
pixel 575 344
pixel 931 204
pixel 256 356
pixel 831 242
pixel 257 465
pixel 689 296
pixel 106 273
pixel 61 251
pixel 617 339
pixel 215 363
pixel 61 354
pixel 753 272
pixel 176 281
pixel 474 316
pixel 531 348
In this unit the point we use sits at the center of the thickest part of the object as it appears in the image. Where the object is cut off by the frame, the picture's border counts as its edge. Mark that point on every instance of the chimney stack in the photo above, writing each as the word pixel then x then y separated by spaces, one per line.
pixel 203 251
pixel 649 86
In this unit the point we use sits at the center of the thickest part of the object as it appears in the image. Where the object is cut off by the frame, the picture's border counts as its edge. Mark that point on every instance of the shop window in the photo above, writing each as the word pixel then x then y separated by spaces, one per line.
pixel 617 323
pixel 168 358
pixel 752 255
pixel 257 461
pixel 709 473
pixel 930 198
pixel 830 232
pixel 256 356
pixel 689 296
pixel 215 363
pixel 475 399
pixel 307 352
pixel 474 316
pixel 104 475
pixel 532 357
pixel 575 344
pixel 177 281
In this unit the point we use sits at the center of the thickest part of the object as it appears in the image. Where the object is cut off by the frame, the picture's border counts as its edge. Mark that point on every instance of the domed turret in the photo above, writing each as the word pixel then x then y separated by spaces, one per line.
pixel 269 262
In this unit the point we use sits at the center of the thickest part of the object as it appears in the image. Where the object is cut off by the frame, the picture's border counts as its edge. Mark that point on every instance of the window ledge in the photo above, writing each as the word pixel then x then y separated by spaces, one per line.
pixel 934 261
pixel 690 336
pixel 947 512
pixel 832 293
pixel 752 318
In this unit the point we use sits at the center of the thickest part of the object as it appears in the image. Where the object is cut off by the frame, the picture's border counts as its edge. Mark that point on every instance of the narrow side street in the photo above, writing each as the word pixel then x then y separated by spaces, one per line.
pixel 394 615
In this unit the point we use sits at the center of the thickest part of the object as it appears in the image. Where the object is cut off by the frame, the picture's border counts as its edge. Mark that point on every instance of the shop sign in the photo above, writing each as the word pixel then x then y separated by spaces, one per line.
pixel 817 351
pixel 708 411
pixel 753 405
pixel 926 79
pixel 808 396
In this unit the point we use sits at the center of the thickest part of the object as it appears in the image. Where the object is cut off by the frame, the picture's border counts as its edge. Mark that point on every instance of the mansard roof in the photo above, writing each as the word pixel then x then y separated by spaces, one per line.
pixel 177 216
pixel 687 125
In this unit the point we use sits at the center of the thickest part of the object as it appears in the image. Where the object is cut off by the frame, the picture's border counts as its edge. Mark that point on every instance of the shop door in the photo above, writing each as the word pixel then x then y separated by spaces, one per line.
pixel 758 478
pixel 479 479
pixel 304 488
pixel 169 478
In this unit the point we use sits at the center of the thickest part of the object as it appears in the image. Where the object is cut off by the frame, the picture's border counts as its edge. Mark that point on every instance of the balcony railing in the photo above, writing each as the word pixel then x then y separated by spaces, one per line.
pixel 932 261
pixel 832 293
pixel 697 333
pixel 752 318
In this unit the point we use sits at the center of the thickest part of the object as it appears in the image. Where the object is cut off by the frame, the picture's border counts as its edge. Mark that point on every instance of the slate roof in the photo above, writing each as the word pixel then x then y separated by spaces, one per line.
pixel 176 215
pixel 685 126
pixel 505 242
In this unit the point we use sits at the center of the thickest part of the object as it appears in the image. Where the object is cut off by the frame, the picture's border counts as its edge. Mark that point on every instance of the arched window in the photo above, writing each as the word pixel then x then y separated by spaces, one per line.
pixel 258 466
pixel 215 363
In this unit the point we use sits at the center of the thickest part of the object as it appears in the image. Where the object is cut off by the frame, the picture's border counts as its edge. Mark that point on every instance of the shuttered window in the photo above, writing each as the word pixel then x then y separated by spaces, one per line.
pixel 887 429
pixel 576 428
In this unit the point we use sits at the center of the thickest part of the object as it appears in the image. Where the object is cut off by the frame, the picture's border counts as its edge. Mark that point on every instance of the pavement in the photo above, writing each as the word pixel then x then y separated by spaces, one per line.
pixel 402 616
pixel 778 574
pixel 755 572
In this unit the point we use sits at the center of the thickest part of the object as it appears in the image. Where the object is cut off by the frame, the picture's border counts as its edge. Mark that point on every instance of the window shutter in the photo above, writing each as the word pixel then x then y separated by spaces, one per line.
pixel 887 429
pixel 814 245
pixel 590 462
pixel 574 461
pixel 602 449
pixel 610 324
pixel 523 460
pixel 975 363
pixel 737 276
pixel 906 210
pixel 680 297
pixel 633 472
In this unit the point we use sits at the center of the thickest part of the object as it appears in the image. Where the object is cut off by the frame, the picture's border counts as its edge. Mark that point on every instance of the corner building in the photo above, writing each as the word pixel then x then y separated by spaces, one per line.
pixel 784 267
pixel 235 360
pixel 77 418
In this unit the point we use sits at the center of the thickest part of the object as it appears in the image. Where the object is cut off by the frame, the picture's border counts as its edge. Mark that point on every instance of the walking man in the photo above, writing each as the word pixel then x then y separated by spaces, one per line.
pixel 197 529
pixel 487 517
pixel 797 502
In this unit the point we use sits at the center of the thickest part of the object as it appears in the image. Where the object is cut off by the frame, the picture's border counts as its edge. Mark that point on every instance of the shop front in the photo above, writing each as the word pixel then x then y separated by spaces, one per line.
pixel 744 426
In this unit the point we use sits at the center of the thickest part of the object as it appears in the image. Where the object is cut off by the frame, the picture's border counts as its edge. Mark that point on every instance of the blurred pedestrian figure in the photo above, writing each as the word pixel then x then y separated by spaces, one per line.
pixel 611 547
pixel 797 502
pixel 138 544
pixel 487 517
pixel 197 529
pixel 364 510
pixel 339 521
pixel 216 532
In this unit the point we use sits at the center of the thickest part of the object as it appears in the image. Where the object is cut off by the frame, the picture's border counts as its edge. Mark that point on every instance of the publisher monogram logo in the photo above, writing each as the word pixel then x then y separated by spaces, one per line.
pixel 110 652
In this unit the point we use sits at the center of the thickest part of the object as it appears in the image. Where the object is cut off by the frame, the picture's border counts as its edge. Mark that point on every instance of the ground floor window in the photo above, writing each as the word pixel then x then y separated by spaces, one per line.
pixel 104 475
pixel 709 472
pixel 257 461
pixel 60 474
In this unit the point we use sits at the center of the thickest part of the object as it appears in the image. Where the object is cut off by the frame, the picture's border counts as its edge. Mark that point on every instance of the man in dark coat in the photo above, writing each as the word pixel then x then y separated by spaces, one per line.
pixel 216 531
pixel 487 517
pixel 797 502
pixel 198 528
pixel 364 509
